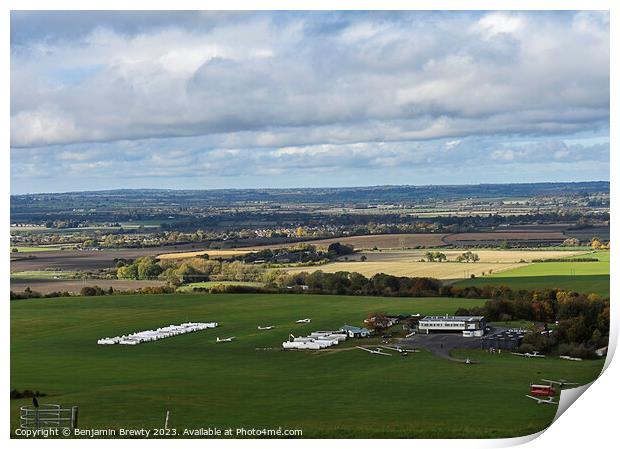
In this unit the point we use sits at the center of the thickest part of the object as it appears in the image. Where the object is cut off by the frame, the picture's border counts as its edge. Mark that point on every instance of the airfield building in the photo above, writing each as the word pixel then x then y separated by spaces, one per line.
pixel 355 332
pixel 470 326
pixel 509 339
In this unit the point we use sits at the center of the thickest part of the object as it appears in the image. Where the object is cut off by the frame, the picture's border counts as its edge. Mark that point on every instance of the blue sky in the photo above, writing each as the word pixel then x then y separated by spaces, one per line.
pixel 105 100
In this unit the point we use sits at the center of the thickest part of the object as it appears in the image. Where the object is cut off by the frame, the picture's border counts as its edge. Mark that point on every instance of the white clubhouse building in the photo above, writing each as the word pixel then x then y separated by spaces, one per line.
pixel 471 326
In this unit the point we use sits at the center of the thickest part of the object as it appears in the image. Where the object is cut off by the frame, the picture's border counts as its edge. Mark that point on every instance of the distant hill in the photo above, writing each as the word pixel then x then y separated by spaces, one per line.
pixel 350 195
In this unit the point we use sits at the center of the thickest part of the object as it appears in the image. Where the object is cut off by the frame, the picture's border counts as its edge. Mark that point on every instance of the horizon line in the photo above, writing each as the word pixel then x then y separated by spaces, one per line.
pixel 154 189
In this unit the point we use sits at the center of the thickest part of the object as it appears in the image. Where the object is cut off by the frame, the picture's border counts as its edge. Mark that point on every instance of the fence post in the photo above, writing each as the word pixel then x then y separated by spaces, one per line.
pixel 166 422
pixel 74 417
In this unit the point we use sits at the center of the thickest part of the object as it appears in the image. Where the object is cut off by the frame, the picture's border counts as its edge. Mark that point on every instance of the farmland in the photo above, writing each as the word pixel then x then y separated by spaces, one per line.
pixel 212 253
pixel 204 384
pixel 438 270
pixel 407 263
pixel 518 237
pixel 69 241
pixel 85 259
pixel 584 277
pixel 485 255
pixel 46 286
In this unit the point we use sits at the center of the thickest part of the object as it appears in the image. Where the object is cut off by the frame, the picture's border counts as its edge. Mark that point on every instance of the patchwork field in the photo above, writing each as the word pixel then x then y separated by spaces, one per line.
pixel 584 277
pixel 486 255
pixel 346 393
pixel 86 260
pixel 379 241
pixel 438 270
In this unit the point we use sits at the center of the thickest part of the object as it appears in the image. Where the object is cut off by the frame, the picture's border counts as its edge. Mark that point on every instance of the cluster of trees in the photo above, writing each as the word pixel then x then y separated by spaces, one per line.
pixel 95 290
pixel 434 256
pixel 596 244
pixel 571 241
pixel 195 269
pixel 29 293
pixel 240 268
pixel 338 249
pixel 468 256
pixel 583 320
pixel 346 283
pixel 301 253
pixel 142 268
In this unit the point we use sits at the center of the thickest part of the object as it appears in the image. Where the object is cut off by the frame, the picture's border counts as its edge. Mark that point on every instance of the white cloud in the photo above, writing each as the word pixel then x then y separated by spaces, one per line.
pixel 316 91
pixel 495 23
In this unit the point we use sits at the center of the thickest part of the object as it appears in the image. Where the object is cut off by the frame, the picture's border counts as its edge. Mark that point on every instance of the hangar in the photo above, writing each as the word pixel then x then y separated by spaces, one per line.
pixel 470 326
pixel 508 339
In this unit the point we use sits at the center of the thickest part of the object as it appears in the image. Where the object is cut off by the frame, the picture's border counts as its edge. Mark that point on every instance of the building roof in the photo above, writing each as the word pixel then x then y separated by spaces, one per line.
pixel 452 318
pixel 506 335
pixel 346 327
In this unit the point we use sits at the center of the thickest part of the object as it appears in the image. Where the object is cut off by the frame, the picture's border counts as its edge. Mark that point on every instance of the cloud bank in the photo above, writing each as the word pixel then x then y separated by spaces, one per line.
pixel 208 98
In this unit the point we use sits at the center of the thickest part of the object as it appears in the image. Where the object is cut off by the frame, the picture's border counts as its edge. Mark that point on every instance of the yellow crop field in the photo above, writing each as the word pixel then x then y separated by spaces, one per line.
pixel 491 256
pixel 219 253
pixel 438 270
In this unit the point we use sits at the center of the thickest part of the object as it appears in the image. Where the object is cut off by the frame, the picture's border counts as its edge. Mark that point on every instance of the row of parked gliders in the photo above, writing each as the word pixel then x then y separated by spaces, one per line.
pixel 158 334
pixel 316 340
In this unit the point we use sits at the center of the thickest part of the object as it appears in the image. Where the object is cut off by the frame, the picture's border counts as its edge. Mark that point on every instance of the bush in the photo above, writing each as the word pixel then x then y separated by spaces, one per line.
pixel 16 394
pixel 576 350
pixel 92 291
pixel 526 347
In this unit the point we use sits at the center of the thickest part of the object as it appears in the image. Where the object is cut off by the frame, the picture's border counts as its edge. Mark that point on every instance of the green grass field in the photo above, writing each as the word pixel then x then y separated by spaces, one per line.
pixel 345 393
pixel 583 277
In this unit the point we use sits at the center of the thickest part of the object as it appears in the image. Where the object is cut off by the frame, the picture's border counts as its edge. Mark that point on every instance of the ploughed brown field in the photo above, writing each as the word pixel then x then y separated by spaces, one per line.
pixel 384 241
pixel 74 286
pixel 73 260
pixel 555 236
pixel 380 241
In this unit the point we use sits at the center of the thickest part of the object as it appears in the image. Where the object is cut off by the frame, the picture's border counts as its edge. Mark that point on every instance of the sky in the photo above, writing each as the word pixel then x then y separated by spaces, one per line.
pixel 201 100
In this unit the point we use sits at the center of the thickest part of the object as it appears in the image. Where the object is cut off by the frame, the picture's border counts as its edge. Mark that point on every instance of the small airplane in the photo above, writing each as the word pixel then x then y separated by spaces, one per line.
pixel 410 334
pixel 399 349
pixel 376 351
pixel 559 382
pixel 574 359
pixel 541 400
pixel 265 328
pixel 305 320
pixel 528 354
pixel 224 340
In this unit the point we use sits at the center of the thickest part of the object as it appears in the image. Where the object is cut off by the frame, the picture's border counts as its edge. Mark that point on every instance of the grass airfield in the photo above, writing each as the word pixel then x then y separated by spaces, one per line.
pixel 342 393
